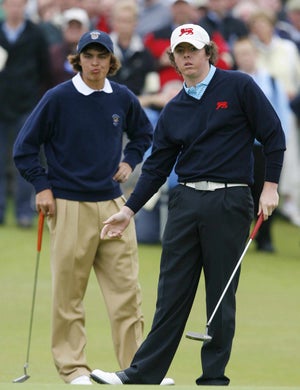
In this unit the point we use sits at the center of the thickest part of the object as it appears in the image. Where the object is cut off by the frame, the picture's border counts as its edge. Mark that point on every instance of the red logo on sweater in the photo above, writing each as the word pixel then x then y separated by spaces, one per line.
pixel 221 105
pixel 187 31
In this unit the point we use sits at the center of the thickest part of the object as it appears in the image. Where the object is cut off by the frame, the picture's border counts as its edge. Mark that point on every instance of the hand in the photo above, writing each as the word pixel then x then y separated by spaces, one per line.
pixel 45 202
pixel 123 172
pixel 268 200
pixel 117 223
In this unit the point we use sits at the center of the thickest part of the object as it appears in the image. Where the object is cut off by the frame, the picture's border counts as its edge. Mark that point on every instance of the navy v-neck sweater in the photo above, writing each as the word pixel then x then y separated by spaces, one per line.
pixel 82 138
pixel 212 138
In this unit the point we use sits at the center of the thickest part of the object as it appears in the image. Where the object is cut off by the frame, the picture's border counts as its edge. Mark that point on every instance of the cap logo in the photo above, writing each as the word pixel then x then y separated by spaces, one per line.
pixel 186 31
pixel 95 35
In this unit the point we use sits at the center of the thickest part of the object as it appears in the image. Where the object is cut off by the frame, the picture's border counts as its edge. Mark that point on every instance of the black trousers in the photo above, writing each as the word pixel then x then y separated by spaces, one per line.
pixel 205 231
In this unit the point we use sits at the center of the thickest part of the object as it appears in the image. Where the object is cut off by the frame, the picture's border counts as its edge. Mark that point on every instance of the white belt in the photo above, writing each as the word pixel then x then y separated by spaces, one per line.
pixel 212 185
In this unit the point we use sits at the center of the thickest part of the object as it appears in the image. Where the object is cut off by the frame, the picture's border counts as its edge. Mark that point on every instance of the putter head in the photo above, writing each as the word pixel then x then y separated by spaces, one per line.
pixel 198 336
pixel 21 379
pixel 24 377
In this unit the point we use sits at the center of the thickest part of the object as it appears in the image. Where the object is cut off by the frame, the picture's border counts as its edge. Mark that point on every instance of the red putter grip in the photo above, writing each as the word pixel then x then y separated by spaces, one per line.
pixel 40 230
pixel 257 226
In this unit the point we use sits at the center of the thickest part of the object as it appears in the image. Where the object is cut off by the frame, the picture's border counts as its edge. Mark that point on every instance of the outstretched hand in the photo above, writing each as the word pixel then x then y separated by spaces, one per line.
pixel 117 223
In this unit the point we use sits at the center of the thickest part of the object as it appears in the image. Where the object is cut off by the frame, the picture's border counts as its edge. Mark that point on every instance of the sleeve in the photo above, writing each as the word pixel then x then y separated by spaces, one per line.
pixel 27 146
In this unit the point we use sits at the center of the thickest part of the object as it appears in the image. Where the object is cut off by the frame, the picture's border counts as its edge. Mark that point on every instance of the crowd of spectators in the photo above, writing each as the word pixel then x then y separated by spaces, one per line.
pixel 140 30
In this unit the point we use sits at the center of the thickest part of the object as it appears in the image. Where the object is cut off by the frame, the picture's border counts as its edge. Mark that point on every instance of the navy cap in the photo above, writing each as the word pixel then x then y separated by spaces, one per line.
pixel 95 36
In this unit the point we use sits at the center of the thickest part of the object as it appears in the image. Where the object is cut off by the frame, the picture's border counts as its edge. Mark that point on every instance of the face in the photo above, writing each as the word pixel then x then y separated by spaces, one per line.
pixel 124 23
pixel 294 17
pixel 192 63
pixel 14 10
pixel 47 9
pixel 95 65
pixel 272 5
pixel 182 12
pixel 92 7
pixel 73 31
pixel 263 29
pixel 245 56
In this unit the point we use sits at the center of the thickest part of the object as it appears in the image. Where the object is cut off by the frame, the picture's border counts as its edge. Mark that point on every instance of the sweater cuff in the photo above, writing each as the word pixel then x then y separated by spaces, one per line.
pixel 274 163
pixel 41 184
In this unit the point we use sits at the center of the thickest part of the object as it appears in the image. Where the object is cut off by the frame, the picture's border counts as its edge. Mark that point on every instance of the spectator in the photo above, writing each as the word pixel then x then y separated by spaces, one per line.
pixel 153 103
pixel 25 75
pixel 290 28
pixel 295 106
pixel 273 53
pixel 201 8
pixel 93 10
pixel 49 19
pixel 275 7
pixel 219 20
pixel 75 23
pixel 243 10
pixel 154 15
pixel 1 12
pixel 104 17
pixel 137 61
pixel 158 41
pixel 245 56
pixel 151 219
pixel 67 4
pixel 83 120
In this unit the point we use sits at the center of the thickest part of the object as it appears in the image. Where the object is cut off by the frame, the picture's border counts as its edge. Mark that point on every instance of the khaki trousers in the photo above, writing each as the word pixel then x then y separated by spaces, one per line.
pixel 76 248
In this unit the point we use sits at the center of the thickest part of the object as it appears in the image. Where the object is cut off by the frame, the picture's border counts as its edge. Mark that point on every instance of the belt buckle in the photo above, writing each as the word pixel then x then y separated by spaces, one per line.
pixel 202 186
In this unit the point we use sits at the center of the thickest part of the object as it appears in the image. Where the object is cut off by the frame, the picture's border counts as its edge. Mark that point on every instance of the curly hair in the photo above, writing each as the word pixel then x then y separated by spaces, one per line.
pixel 74 59
pixel 211 50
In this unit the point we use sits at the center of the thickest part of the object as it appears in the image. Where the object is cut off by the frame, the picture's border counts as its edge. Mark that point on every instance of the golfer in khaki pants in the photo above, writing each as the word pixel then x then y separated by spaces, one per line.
pixel 81 124
pixel 76 229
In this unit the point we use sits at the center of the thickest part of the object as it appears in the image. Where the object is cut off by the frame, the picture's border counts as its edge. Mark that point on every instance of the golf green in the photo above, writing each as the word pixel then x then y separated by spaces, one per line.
pixel 266 349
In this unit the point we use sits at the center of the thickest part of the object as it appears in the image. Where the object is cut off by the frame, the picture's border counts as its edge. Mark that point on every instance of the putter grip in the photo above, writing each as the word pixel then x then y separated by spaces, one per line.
pixel 40 231
pixel 257 226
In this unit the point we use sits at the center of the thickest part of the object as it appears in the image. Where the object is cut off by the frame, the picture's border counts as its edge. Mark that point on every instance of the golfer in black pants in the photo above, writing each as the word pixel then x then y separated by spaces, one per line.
pixel 196 237
pixel 207 132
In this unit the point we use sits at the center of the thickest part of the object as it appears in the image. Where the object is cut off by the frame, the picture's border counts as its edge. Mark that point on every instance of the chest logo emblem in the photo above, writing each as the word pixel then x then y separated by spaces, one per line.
pixel 221 105
pixel 115 119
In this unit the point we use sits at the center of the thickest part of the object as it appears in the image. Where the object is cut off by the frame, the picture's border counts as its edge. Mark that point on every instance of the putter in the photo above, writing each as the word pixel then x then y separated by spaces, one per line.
pixel 24 377
pixel 205 337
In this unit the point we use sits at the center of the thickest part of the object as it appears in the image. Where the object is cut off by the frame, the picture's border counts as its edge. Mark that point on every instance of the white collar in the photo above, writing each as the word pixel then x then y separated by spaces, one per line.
pixel 83 88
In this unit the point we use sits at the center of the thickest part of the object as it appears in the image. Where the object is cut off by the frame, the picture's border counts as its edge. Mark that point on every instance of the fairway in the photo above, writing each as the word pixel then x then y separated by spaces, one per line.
pixel 266 349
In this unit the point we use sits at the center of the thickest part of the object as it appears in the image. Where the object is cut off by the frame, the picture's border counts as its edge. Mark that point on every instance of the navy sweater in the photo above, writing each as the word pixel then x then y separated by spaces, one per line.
pixel 212 138
pixel 82 138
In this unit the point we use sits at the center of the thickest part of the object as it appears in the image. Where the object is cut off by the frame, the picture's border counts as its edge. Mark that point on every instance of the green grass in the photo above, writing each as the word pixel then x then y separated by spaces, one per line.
pixel 266 350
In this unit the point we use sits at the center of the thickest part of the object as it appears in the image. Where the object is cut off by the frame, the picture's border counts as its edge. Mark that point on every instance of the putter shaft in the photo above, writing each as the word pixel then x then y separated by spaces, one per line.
pixel 24 377
pixel 206 337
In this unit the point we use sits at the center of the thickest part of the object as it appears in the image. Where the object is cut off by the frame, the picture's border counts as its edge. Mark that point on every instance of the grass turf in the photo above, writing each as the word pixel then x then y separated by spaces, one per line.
pixel 266 350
